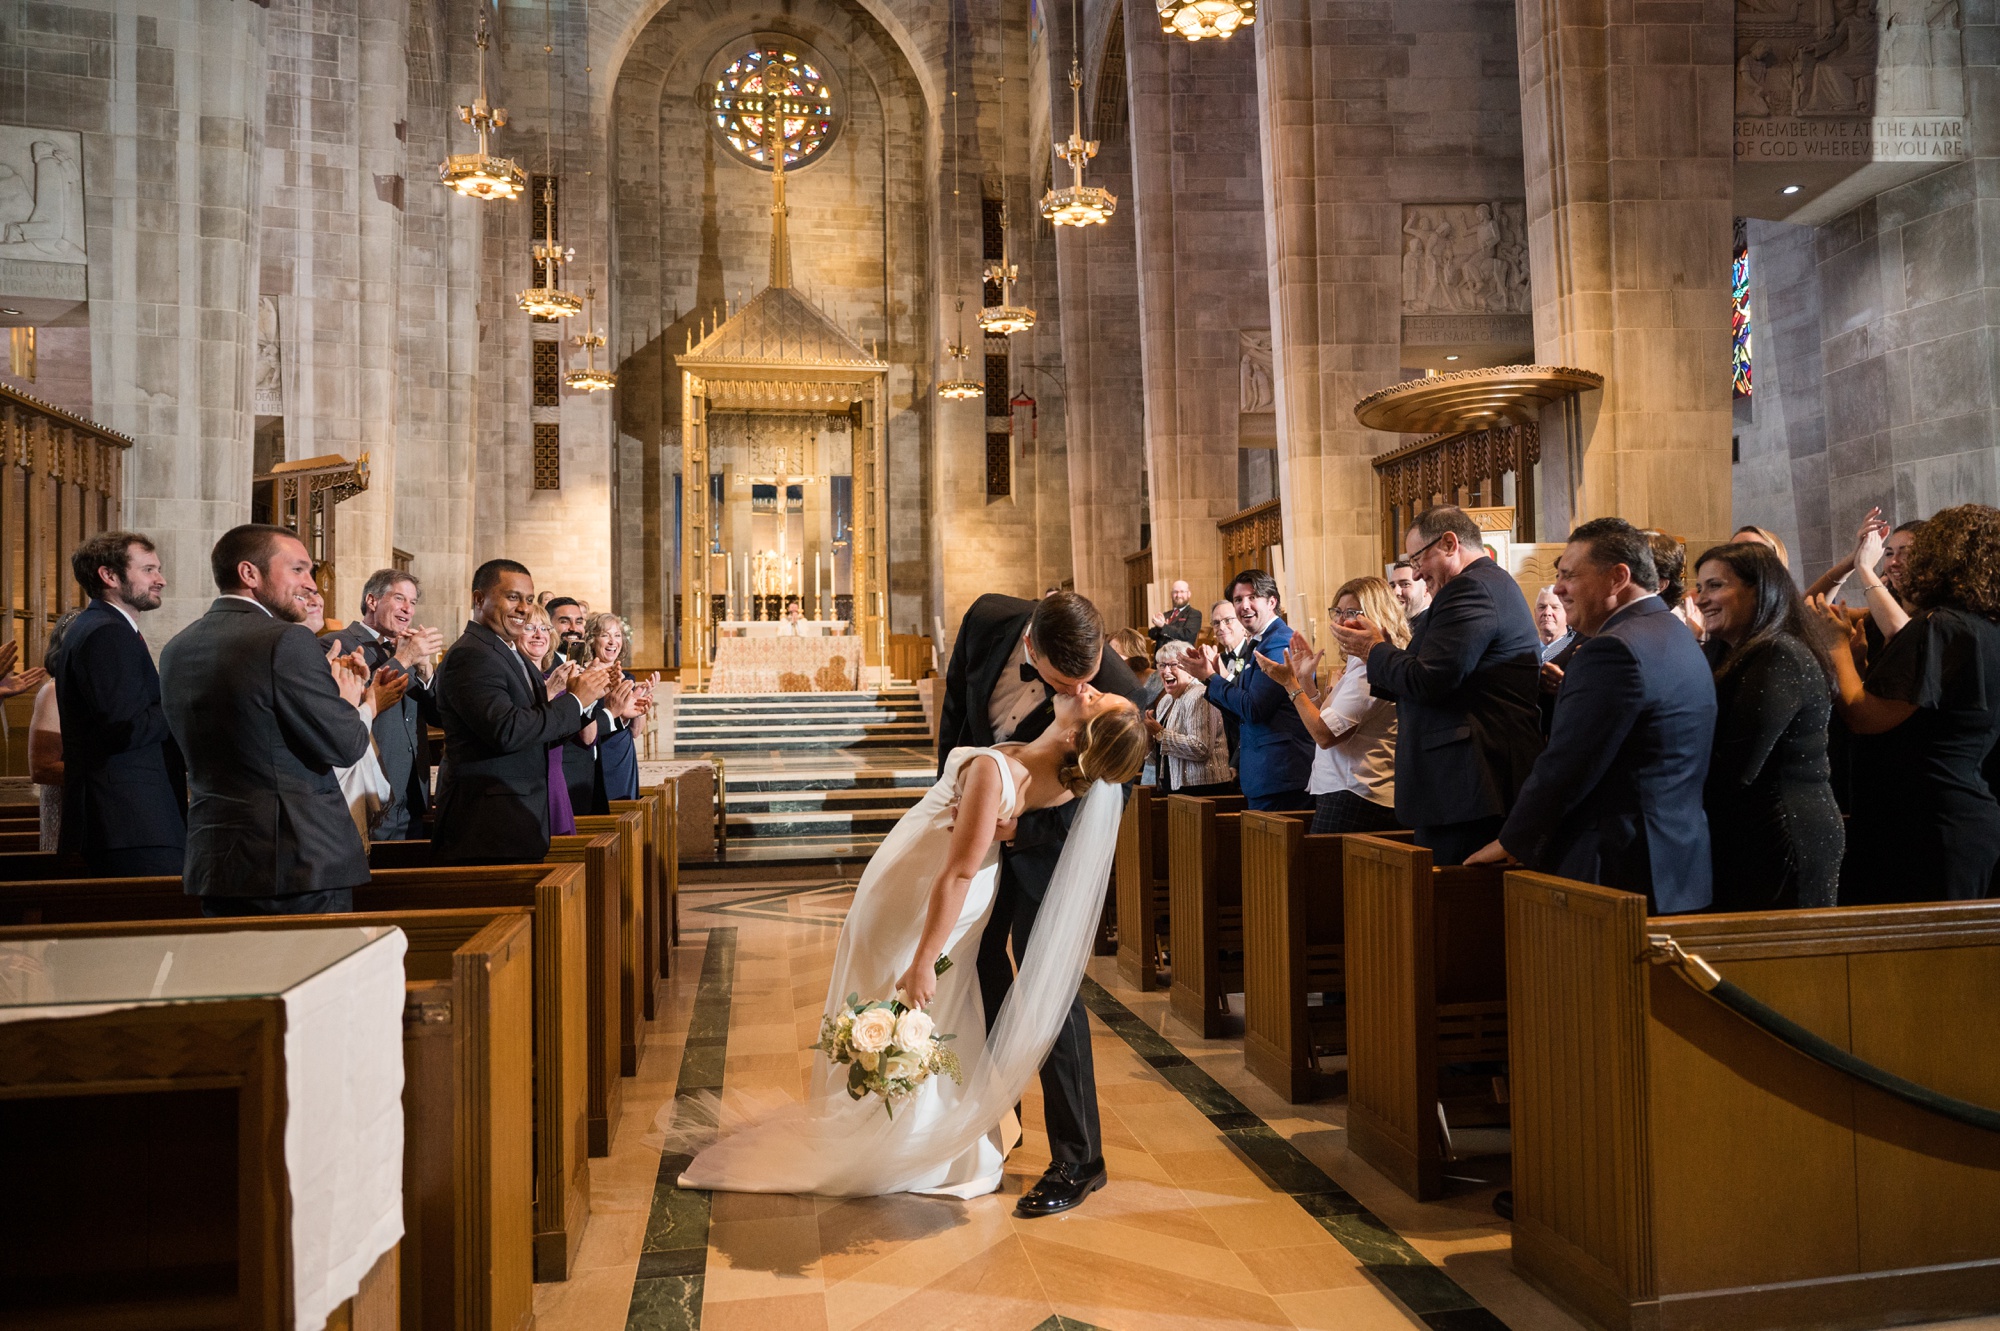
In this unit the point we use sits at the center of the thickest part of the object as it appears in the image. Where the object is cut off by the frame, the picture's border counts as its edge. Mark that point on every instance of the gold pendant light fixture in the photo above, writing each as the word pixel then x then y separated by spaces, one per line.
pixel 589 379
pixel 480 175
pixel 960 387
pixel 1196 19
pixel 1078 204
pixel 546 299
pixel 1006 318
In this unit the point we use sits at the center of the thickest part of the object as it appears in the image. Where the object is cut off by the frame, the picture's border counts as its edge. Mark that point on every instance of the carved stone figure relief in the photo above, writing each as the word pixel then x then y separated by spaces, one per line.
pixel 1465 258
pixel 270 381
pixel 1255 388
pixel 41 195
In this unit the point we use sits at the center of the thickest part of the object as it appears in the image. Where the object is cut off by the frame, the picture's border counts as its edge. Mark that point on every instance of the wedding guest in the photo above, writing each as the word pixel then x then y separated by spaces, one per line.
pixel 392 641
pixel 1764 537
pixel 1232 643
pixel 1467 728
pixel 1775 832
pixel 536 641
pixel 568 616
pixel 1670 564
pixel 1273 756
pixel 1194 747
pixel 1412 592
pixel 1354 769
pixel 1180 623
pixel 606 734
pixel 45 765
pixel 1885 606
pixel 365 785
pixel 1931 699
pixel 1559 644
pixel 1137 653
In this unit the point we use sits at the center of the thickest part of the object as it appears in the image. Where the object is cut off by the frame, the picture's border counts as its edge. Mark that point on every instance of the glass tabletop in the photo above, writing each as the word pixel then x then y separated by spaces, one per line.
pixel 171 968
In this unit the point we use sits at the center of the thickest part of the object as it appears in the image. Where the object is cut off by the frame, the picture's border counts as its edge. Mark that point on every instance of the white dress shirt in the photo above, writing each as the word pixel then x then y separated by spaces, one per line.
pixel 1363 763
pixel 1014 698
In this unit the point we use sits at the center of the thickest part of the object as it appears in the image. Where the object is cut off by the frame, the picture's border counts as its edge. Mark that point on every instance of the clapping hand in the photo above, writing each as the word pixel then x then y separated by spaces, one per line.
pixel 24 681
pixel 417 647
pixel 350 674
pixel 624 700
pixel 1552 678
pixel 10 652
pixel 590 684
pixel 558 680
pixel 1357 637
pixel 1199 668
pixel 387 689
pixel 1153 726
pixel 1159 620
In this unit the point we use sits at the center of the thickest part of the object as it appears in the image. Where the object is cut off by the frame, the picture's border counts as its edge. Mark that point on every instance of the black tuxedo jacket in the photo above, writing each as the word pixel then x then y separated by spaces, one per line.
pixel 121 772
pixel 1468 720
pixel 402 734
pixel 254 707
pixel 1183 625
pixel 986 638
pixel 493 807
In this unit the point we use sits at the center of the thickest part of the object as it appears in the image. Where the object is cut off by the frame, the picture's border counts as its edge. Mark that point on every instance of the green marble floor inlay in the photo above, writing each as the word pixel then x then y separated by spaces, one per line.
pixel 1433 1296
pixel 674 1253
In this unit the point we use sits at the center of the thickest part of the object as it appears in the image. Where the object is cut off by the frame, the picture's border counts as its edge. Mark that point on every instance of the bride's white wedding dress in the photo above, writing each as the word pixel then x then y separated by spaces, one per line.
pixel 946 1138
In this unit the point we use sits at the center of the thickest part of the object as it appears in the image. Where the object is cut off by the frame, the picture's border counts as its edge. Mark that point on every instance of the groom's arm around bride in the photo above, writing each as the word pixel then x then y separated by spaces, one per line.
pixel 1009 659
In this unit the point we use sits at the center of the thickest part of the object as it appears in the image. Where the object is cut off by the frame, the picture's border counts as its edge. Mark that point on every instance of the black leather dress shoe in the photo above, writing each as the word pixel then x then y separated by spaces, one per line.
pixel 1064 1186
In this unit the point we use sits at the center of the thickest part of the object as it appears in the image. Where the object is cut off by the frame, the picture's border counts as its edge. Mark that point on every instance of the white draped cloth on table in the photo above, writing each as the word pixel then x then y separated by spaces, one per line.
pixel 786 665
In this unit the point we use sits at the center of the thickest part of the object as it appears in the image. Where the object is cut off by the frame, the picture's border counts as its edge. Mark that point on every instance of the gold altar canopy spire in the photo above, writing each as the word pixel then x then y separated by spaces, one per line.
pixel 781 240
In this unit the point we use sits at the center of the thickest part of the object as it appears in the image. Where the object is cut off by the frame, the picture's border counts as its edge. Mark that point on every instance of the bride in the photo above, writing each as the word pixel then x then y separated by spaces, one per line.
pixel 927 893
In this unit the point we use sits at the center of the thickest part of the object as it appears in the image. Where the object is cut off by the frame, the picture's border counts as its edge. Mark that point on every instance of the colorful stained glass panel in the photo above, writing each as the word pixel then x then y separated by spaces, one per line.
pixel 1739 319
pixel 768 76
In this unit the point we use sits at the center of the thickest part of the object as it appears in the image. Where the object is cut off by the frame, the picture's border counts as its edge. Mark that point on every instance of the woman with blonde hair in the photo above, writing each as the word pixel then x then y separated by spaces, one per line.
pixel 537 643
pixel 1765 537
pixel 1354 771
pixel 602 762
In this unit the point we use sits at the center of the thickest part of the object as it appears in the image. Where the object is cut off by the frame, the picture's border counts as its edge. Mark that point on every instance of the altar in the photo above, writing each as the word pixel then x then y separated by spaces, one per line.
pixel 787 665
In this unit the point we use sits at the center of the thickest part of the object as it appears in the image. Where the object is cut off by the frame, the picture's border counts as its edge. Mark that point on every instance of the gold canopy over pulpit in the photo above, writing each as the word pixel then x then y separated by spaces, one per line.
pixel 779 353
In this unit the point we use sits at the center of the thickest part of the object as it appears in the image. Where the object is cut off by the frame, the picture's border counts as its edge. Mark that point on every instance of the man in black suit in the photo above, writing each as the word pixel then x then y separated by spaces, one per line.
pixel 1615 799
pixel 122 801
pixel 498 724
pixel 1180 624
pixel 389 640
pixel 1010 659
pixel 1467 724
pixel 263 722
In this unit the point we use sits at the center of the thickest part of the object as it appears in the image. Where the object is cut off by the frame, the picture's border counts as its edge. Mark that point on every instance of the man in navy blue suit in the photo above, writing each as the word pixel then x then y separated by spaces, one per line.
pixel 1274 752
pixel 1467 722
pixel 1615 798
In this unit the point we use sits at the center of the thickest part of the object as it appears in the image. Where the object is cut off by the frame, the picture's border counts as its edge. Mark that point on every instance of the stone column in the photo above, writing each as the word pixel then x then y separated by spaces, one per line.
pixel 1627 121
pixel 1198 209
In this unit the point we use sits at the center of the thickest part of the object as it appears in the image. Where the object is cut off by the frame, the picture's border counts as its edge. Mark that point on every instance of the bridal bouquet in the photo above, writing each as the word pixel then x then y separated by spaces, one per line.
pixel 890 1049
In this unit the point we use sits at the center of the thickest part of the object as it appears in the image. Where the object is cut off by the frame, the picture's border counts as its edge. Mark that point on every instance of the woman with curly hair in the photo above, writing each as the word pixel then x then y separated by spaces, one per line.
pixel 1925 825
pixel 1774 829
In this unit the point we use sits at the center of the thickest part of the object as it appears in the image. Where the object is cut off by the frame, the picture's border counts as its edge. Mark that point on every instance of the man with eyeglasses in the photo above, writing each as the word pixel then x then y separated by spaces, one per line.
pixel 1467 724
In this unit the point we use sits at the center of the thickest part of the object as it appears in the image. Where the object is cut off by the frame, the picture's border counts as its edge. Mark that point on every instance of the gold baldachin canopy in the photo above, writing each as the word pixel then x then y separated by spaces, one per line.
pixel 1469 399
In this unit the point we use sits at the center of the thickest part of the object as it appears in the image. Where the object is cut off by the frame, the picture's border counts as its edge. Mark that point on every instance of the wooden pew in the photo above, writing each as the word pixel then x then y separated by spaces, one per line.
pixel 605 998
pixel 570 1108
pixel 662 833
pixel 1426 989
pixel 1205 907
pixel 1140 874
pixel 1677 1166
pixel 669 793
pixel 465 1259
pixel 635 979
pixel 1293 947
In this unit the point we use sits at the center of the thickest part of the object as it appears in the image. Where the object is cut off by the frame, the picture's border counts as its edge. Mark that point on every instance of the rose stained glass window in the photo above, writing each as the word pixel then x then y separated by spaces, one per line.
pixel 769 74
pixel 1739 317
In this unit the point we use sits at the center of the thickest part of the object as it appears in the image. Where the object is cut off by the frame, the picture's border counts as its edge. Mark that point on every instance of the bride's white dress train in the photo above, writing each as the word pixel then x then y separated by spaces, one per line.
pixel 946 1138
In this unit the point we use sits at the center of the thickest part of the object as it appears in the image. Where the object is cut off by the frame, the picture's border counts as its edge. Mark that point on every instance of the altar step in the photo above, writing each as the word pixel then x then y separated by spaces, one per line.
pixel 765 723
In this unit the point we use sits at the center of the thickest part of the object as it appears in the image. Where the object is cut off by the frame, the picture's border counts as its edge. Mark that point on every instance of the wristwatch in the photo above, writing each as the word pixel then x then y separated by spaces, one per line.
pixel 1292 695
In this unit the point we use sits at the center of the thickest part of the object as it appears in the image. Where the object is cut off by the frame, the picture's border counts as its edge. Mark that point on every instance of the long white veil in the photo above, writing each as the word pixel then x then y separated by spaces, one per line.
pixel 832 1146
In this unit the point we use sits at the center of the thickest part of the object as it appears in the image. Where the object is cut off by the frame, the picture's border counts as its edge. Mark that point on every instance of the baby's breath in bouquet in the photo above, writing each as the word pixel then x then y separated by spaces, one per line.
pixel 890 1049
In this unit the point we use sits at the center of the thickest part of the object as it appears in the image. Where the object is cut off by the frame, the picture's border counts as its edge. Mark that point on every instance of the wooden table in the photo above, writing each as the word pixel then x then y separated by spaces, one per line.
pixel 201 1128
pixel 786 665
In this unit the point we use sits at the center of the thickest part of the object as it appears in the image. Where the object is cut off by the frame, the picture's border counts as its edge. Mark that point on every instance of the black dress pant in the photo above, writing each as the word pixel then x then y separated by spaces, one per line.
pixel 335 901
pixel 136 862
pixel 1069 1079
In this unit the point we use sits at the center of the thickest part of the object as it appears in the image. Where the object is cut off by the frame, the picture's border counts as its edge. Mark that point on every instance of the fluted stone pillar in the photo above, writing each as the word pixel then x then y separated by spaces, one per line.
pixel 1627 122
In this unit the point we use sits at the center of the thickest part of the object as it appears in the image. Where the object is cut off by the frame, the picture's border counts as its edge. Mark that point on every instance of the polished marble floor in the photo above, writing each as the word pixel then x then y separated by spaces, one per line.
pixel 1226 1207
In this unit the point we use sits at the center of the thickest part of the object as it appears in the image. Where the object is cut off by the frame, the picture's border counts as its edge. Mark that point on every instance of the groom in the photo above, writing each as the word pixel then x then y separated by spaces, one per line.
pixel 1010 660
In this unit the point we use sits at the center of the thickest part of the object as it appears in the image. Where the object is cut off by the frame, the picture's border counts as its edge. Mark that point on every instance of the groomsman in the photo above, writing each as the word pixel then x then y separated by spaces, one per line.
pixel 122 801
pixel 1009 660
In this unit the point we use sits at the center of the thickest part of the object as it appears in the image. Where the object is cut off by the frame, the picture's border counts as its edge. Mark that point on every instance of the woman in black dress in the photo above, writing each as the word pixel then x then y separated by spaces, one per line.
pixel 1774 829
pixel 1925 825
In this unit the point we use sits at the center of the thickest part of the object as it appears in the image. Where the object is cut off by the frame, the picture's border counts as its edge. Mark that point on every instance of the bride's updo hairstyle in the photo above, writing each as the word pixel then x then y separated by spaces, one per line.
pixel 1111 747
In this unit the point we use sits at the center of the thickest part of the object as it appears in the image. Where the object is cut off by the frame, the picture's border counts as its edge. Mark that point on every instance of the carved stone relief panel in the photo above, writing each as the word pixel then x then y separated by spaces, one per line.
pixel 41 221
pixel 1465 274
pixel 269 384
pixel 1255 389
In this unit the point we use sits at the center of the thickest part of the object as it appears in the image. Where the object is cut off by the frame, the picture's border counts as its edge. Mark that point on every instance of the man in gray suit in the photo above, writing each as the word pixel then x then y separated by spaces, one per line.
pixel 263 722
pixel 389 640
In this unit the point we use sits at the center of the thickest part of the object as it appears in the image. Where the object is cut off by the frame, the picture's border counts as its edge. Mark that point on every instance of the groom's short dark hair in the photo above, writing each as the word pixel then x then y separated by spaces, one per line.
pixel 1068 633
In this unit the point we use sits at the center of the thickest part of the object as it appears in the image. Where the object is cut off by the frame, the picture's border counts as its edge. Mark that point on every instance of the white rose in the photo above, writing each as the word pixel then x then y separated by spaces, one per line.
pixel 867 1060
pixel 874 1029
pixel 913 1029
pixel 902 1067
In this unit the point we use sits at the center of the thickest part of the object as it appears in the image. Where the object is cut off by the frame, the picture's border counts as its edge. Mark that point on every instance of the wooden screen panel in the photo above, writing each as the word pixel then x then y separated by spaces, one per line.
pixel 548 456
pixel 547 373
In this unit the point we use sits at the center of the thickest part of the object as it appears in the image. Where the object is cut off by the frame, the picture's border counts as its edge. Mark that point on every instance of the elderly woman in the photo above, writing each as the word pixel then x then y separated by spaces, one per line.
pixel 1354 772
pixel 1194 751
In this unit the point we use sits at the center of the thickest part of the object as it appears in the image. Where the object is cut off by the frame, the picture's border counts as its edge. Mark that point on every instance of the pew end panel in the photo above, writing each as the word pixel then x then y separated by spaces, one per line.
pixel 1293 932
pixel 1678 1167
pixel 634 980
pixel 647 806
pixel 669 793
pixel 1205 913
pixel 603 870
pixel 494 976
pixel 1425 970
pixel 1140 886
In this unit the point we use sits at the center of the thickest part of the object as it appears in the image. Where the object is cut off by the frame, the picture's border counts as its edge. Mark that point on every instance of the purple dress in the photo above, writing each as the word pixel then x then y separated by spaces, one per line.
pixel 562 818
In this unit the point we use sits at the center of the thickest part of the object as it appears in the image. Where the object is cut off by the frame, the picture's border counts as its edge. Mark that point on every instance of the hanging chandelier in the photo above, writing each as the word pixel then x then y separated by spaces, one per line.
pixel 959 388
pixel 480 175
pixel 1006 318
pixel 547 299
pixel 1078 204
pixel 589 379
pixel 1196 19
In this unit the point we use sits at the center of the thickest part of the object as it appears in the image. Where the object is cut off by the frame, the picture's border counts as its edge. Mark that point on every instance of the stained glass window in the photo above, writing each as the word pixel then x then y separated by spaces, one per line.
pixel 744 81
pixel 1739 314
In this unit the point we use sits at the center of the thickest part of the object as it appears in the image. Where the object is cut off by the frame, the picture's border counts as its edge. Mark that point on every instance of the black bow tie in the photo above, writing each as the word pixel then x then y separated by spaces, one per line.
pixel 1030 675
